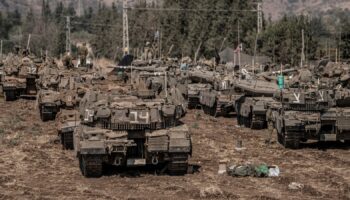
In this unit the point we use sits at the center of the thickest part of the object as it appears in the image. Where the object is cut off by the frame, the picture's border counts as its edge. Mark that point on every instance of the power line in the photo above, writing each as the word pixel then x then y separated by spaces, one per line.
pixel 193 10
pixel 93 24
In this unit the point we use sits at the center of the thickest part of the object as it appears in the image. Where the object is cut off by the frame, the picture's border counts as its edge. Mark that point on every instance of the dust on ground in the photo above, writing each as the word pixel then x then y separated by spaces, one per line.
pixel 34 166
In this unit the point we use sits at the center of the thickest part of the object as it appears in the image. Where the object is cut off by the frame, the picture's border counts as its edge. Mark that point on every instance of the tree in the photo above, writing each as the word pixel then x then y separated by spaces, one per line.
pixel 59 12
pixel 71 10
pixel 283 40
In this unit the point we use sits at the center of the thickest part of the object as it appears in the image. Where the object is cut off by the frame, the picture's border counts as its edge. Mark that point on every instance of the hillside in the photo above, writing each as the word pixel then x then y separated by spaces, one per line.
pixel 24 5
pixel 273 9
pixel 277 8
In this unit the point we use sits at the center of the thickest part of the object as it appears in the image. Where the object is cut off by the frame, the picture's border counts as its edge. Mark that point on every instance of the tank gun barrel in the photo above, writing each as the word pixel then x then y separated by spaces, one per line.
pixel 285 71
pixel 204 77
pixel 271 76
pixel 146 69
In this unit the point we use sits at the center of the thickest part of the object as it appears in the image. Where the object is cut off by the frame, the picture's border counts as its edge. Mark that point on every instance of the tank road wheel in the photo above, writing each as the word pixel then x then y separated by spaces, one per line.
pixel 43 117
pixel 178 164
pixel 91 165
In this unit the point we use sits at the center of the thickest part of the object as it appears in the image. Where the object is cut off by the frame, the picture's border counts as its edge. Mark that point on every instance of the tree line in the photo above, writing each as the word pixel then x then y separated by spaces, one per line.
pixel 204 25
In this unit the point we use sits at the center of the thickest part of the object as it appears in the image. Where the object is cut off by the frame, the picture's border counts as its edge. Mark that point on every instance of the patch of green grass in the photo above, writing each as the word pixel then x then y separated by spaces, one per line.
pixel 14 141
pixel 35 130
pixel 19 118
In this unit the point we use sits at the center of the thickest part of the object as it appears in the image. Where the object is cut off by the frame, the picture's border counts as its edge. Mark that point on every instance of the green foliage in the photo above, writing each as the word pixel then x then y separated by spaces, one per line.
pixel 187 25
pixel 13 142
pixel 7 22
pixel 283 40
pixel 202 25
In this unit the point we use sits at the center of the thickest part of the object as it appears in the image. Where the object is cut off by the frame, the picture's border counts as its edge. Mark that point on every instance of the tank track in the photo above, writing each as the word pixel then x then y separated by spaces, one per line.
pixel 290 140
pixel 245 121
pixel 258 125
pixel 91 165
pixel 47 117
pixel 10 95
pixel 239 120
pixel 193 103
pixel 178 164
pixel 67 140
pixel 209 110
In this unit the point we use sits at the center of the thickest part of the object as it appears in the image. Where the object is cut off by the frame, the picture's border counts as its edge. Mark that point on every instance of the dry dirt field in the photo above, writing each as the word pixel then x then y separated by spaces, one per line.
pixel 34 166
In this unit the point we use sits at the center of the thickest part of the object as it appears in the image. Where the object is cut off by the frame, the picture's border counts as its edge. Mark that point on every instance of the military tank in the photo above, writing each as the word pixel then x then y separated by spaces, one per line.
pixel 219 99
pixel 66 122
pixel 49 103
pixel 194 91
pixel 258 90
pixel 168 85
pixel 60 90
pixel 20 78
pixel 309 112
pixel 218 103
pixel 127 131
pixel 251 111
pixel 49 77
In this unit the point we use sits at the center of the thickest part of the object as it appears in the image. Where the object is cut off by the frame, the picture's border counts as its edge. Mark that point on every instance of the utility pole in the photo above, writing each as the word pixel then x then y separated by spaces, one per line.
pixel 68 44
pixel 28 42
pixel 336 55
pixel 238 35
pixel 20 36
pixel 1 50
pixel 329 49
pixel 166 84
pixel 259 29
pixel 340 41
pixel 260 17
pixel 80 8
pixel 255 47
pixel 239 43
pixel 160 44
pixel 302 59
pixel 125 29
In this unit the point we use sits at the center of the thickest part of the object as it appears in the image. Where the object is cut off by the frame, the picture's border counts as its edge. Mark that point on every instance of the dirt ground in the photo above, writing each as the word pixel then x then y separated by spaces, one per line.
pixel 34 166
